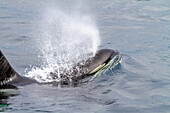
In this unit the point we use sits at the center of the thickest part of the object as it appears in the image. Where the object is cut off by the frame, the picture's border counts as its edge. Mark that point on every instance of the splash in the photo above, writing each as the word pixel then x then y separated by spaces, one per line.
pixel 63 40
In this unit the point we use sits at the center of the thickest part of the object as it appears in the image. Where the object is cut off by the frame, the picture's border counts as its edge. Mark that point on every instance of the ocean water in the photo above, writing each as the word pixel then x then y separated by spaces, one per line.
pixel 33 32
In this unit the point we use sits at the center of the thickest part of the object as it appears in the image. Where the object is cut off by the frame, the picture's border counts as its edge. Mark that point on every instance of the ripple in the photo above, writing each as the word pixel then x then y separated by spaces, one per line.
pixel 151 8
pixel 99 101
pixel 6 17
pixel 107 91
pixel 143 0
pixel 21 38
pixel 165 18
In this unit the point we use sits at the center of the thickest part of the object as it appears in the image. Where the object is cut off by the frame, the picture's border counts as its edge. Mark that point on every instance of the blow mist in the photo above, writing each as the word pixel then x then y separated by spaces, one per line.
pixel 63 40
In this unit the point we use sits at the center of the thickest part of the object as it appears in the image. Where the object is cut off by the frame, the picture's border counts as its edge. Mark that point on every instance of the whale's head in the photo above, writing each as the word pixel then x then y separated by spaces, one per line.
pixel 94 64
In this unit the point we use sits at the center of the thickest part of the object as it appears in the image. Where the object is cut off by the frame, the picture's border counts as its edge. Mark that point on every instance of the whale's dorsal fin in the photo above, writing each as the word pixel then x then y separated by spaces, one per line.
pixel 8 75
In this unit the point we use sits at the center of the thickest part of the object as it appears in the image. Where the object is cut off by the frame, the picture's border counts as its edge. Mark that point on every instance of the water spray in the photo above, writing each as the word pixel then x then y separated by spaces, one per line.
pixel 63 40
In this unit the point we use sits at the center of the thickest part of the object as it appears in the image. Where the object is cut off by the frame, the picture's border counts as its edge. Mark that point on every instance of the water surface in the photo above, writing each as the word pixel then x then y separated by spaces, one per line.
pixel 139 29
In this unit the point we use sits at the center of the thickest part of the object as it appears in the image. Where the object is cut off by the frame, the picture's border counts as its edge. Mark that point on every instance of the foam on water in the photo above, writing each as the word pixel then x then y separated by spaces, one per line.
pixel 63 40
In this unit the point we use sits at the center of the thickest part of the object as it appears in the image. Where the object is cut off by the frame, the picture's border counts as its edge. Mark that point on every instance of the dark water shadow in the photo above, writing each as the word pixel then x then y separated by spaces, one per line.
pixel 6 92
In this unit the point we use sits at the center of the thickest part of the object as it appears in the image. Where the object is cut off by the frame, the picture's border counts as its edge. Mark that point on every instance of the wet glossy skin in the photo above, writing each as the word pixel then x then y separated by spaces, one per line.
pixel 9 76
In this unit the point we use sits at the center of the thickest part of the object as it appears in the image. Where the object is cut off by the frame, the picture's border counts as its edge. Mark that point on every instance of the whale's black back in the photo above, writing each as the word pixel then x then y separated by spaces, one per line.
pixel 102 56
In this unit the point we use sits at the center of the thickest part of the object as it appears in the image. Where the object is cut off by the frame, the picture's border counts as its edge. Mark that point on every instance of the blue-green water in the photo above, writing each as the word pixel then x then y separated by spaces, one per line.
pixel 140 29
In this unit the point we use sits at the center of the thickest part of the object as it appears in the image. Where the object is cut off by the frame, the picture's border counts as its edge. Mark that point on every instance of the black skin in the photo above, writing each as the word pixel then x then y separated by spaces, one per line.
pixel 9 77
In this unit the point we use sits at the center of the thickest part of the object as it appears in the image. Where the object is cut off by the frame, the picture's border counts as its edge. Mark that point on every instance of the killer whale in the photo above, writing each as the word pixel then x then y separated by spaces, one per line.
pixel 9 77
